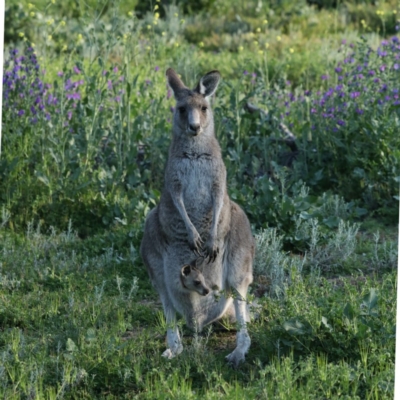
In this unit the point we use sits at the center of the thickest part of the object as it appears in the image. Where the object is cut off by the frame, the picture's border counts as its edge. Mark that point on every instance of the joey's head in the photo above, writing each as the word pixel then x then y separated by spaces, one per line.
pixel 192 279
pixel 193 115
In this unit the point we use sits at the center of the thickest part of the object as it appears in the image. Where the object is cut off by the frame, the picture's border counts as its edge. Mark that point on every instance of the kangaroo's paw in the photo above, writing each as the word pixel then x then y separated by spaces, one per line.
pixel 195 242
pixel 211 251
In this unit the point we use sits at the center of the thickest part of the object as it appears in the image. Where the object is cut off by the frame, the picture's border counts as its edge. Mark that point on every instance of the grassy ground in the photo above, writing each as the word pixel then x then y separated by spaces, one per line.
pixel 79 320
pixel 78 317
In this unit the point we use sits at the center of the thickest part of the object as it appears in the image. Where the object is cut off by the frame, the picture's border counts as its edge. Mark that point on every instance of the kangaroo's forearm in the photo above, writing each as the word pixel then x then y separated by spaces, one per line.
pixel 218 202
pixel 180 206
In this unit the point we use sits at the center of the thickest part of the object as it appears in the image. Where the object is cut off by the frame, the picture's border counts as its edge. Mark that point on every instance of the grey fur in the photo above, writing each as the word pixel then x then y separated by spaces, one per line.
pixel 195 215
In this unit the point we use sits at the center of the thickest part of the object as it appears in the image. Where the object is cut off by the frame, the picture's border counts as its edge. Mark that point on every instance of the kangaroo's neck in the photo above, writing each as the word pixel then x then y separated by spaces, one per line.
pixel 203 145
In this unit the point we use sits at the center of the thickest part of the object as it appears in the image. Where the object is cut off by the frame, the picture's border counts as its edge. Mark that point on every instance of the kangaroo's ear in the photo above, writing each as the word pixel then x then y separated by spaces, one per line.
pixel 185 271
pixel 175 82
pixel 208 84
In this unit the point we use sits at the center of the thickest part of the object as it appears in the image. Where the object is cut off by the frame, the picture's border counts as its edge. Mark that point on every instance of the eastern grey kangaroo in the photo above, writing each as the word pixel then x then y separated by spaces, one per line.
pixel 195 215
pixel 192 279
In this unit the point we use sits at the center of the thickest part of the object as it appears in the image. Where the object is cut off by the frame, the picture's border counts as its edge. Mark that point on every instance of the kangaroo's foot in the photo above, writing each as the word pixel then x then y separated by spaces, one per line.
pixel 174 344
pixel 242 346
pixel 171 353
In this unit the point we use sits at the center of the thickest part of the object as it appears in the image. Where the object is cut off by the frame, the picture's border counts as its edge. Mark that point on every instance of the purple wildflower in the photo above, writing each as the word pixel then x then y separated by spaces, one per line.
pixel 73 96
pixel 21 113
pixel 76 70
pixel 156 68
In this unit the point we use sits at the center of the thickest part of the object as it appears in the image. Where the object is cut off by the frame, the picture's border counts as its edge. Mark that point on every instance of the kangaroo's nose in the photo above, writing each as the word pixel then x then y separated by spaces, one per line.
pixel 205 292
pixel 194 127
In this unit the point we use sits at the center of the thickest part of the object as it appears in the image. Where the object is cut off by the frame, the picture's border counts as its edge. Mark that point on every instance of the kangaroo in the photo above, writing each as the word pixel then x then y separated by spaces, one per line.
pixel 195 215
pixel 193 280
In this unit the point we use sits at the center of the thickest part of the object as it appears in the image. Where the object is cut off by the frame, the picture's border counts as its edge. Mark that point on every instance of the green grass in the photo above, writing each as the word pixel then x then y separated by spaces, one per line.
pixel 79 320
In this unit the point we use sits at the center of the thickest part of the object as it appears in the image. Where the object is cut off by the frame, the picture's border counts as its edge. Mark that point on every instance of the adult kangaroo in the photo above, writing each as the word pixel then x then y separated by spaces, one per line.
pixel 195 215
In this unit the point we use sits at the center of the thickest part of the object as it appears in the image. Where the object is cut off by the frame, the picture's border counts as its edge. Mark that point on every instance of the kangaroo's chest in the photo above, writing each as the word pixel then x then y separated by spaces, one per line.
pixel 197 177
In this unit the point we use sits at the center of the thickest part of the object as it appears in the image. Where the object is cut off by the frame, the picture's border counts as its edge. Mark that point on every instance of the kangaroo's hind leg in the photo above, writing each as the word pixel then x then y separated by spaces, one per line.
pixel 174 341
pixel 152 250
pixel 157 277
pixel 242 337
pixel 239 264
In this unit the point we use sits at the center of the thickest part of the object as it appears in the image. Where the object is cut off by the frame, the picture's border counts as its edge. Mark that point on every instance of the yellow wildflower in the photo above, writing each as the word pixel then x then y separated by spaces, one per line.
pixel 62 23
pixel 21 34
pixel 278 38
pixel 240 48
pixel 201 44
pixel 156 7
pixel 260 52
pixel 32 14
pixel 291 50
pixel 156 15
pixel 162 33
pixel 130 14
pixel 258 30
pixel 30 5
pixel 266 45
pixel 265 22
pixel 49 37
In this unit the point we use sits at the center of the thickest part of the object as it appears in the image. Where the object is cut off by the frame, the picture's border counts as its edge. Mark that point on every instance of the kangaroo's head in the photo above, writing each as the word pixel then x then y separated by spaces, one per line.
pixel 193 115
pixel 192 279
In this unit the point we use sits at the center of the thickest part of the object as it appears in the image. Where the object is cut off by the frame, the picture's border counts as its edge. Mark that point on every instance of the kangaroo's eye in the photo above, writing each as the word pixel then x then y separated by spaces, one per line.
pixel 196 283
pixel 204 108
pixel 181 109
